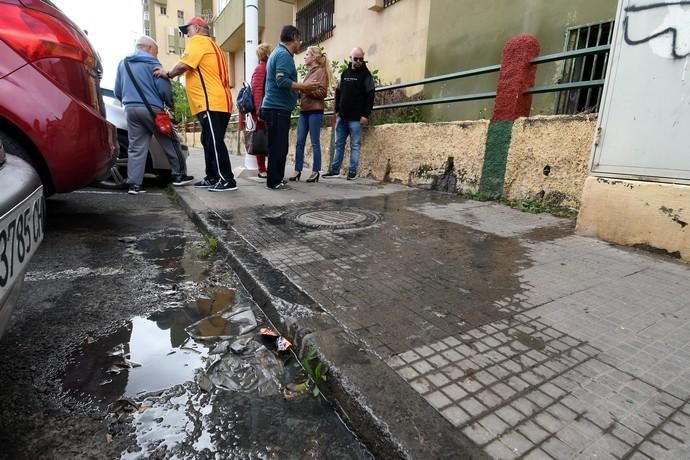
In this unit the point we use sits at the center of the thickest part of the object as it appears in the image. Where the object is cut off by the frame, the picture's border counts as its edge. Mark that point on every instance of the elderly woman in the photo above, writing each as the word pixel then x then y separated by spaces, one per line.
pixel 311 111
pixel 257 85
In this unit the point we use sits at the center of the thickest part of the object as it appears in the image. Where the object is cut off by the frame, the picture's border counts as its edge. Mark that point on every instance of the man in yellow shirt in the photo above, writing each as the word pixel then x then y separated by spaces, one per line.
pixel 208 92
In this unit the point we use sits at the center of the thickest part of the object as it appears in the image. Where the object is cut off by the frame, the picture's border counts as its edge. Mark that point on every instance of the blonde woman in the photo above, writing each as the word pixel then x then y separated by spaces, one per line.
pixel 311 111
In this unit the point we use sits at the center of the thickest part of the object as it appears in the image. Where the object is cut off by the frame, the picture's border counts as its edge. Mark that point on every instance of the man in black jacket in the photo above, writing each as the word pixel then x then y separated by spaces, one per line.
pixel 354 100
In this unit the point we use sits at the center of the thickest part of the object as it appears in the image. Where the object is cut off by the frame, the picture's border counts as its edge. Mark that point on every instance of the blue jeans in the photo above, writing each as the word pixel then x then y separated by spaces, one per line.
pixel 309 121
pixel 343 128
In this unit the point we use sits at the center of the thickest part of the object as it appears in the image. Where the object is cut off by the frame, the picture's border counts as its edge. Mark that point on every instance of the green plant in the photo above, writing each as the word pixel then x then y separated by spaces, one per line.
pixel 315 370
pixel 170 192
pixel 210 246
pixel 181 110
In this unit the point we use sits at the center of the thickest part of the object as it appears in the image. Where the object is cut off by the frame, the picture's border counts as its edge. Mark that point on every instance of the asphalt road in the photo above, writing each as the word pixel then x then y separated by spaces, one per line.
pixel 98 361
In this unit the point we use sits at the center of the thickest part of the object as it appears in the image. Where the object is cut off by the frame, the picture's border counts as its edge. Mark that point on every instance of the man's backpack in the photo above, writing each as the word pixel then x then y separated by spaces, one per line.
pixel 245 99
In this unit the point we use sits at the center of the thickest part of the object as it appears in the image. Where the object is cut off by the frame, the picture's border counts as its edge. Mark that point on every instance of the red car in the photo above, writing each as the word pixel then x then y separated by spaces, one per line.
pixel 51 109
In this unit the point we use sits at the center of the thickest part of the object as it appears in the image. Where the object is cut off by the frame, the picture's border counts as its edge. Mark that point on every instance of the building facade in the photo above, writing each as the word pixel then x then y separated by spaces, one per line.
pixel 161 19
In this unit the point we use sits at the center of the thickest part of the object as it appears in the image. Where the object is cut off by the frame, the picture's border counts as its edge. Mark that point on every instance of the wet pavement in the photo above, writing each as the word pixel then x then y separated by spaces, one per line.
pixel 456 328
pixel 134 339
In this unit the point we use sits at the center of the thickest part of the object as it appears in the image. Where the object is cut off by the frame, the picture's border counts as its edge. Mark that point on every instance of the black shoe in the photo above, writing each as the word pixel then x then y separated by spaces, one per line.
pixel 136 190
pixel 351 176
pixel 223 186
pixel 204 183
pixel 262 175
pixel 179 181
pixel 295 177
pixel 331 175
pixel 314 177
pixel 280 186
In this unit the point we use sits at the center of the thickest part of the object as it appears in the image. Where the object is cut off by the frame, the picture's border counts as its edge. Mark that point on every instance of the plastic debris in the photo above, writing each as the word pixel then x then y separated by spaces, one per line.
pixel 282 344
pixel 223 326
pixel 256 370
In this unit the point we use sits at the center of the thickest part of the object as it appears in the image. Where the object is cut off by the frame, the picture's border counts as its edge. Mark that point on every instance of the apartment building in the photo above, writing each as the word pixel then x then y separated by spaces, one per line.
pixel 161 19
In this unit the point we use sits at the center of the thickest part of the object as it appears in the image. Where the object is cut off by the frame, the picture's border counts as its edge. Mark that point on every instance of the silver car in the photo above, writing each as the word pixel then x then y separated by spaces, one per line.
pixel 22 224
pixel 156 163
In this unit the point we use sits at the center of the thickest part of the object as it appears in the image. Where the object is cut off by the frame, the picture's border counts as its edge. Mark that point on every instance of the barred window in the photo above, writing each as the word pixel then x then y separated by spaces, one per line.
pixel 316 22
pixel 387 3
pixel 585 68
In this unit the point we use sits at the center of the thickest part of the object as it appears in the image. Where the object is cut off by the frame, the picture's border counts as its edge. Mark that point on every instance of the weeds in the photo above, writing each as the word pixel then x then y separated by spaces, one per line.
pixel 315 373
pixel 210 246
pixel 525 205
pixel 170 192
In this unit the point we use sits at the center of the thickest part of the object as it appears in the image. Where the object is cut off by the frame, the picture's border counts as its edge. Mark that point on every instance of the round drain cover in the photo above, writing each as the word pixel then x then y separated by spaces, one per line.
pixel 336 218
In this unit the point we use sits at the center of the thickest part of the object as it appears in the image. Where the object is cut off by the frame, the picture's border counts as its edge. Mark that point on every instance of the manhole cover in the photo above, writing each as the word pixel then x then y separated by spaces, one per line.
pixel 336 218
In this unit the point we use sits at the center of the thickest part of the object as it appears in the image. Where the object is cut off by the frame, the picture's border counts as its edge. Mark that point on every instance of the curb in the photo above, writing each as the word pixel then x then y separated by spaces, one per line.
pixel 351 366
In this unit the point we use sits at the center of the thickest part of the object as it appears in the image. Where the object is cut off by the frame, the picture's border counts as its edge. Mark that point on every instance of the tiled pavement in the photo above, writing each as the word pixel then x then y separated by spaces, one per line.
pixel 530 341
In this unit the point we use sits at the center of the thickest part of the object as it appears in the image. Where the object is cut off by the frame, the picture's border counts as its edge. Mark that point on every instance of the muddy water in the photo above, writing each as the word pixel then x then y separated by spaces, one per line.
pixel 173 383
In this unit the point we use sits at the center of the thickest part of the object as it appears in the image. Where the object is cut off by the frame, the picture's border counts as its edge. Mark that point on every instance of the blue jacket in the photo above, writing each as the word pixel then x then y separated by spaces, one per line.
pixel 281 73
pixel 158 91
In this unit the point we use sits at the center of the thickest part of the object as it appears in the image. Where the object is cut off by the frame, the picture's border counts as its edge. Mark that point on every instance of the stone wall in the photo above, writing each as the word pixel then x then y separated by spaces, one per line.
pixel 549 158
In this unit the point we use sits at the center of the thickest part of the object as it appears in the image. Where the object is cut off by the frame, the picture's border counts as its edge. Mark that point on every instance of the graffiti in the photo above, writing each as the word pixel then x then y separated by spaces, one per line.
pixel 673 34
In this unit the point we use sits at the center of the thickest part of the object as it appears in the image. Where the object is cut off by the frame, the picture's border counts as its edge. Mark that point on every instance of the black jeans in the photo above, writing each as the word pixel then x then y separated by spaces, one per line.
pixel 278 131
pixel 213 126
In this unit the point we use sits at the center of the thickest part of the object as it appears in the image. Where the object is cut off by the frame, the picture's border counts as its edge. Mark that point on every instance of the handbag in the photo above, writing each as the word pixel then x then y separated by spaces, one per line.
pixel 260 142
pixel 161 120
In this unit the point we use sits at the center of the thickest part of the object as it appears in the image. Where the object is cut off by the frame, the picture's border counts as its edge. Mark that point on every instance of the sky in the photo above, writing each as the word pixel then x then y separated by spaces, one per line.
pixel 113 26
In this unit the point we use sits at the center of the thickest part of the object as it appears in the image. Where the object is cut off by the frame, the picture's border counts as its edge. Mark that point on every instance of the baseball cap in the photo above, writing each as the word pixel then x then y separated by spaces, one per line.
pixel 196 21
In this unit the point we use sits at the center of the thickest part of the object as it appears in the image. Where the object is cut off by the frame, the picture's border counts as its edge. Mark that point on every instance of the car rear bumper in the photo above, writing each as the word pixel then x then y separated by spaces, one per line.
pixel 20 185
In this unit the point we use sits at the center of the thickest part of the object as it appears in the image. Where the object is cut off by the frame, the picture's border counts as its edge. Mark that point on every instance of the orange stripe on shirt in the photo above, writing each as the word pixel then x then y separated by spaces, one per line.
pixel 223 71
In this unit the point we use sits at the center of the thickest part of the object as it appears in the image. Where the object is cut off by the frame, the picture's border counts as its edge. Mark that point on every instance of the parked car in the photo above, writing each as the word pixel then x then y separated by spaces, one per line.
pixel 52 113
pixel 22 223
pixel 156 162
pixel 53 129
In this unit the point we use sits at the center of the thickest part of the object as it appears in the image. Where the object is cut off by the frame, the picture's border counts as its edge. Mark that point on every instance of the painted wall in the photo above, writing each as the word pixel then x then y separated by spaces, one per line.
pixel 394 38
pixel 548 159
pixel 465 34
pixel 637 213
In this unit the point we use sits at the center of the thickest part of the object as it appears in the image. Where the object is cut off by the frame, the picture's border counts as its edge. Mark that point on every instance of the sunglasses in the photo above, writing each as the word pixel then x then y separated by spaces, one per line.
pixel 358 59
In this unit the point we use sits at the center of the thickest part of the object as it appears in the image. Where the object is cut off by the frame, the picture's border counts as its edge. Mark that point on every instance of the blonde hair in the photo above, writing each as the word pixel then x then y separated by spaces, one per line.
pixel 263 51
pixel 321 59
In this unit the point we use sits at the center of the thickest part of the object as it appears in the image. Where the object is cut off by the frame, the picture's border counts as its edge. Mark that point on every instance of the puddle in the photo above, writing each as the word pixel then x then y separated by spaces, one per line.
pixel 144 355
pixel 536 343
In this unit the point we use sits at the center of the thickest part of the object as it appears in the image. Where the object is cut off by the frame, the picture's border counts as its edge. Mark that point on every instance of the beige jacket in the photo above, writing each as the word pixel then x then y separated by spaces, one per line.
pixel 313 100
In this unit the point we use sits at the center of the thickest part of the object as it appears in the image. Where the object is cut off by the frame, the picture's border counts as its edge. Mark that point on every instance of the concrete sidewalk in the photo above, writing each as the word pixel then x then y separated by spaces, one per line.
pixel 455 328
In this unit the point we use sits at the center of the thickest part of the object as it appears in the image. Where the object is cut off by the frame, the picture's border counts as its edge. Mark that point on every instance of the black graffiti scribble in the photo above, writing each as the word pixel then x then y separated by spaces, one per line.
pixel 672 30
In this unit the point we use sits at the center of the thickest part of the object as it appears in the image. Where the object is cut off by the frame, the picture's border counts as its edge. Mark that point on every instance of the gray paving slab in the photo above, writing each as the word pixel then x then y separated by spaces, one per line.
pixel 508 336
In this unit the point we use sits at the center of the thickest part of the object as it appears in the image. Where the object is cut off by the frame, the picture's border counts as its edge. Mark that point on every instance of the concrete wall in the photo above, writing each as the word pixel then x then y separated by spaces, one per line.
pixel 562 145
pixel 637 213
pixel 465 34
pixel 394 38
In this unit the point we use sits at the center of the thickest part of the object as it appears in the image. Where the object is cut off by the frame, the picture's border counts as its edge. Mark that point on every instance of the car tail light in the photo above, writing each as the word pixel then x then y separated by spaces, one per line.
pixel 36 35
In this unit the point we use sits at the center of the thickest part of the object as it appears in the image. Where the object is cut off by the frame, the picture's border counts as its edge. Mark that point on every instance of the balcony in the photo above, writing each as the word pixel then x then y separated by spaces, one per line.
pixel 228 27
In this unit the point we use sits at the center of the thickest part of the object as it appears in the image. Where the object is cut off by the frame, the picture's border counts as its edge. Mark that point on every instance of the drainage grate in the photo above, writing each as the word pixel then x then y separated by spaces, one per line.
pixel 336 218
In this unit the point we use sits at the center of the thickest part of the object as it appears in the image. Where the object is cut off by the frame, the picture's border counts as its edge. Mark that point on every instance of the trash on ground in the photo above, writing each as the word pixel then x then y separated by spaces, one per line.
pixel 257 369
pixel 282 344
pixel 268 332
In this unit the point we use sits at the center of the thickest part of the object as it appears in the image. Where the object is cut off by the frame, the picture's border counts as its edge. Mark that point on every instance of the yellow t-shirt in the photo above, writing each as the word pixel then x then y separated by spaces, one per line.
pixel 202 54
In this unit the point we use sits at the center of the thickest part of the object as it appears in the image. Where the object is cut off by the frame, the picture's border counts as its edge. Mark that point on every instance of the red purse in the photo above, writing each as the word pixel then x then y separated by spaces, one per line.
pixel 163 123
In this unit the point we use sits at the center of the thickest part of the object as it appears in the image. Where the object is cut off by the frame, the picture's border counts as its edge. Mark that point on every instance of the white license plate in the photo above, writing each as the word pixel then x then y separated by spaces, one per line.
pixel 21 232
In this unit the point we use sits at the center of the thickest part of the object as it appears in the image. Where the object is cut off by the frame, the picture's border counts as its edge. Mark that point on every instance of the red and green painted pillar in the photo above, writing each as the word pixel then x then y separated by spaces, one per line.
pixel 512 102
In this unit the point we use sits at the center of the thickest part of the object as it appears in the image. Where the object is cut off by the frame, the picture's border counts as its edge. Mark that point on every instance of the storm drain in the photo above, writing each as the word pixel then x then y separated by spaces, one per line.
pixel 336 218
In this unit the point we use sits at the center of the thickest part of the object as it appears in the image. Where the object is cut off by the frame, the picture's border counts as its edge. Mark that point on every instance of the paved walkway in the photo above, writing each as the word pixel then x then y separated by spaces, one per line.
pixel 456 328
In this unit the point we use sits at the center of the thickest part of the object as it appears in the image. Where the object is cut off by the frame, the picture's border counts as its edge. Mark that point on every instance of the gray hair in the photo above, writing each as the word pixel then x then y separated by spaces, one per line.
pixel 145 41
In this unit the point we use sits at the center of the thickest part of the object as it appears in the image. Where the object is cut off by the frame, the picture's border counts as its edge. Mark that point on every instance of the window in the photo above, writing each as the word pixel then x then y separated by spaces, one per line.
pixel 387 3
pixel 586 68
pixel 146 15
pixel 315 22
pixel 180 15
pixel 147 31
pixel 164 10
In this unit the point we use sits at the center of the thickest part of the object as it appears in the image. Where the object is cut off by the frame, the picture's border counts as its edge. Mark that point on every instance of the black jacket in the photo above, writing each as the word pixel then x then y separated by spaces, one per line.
pixel 354 96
